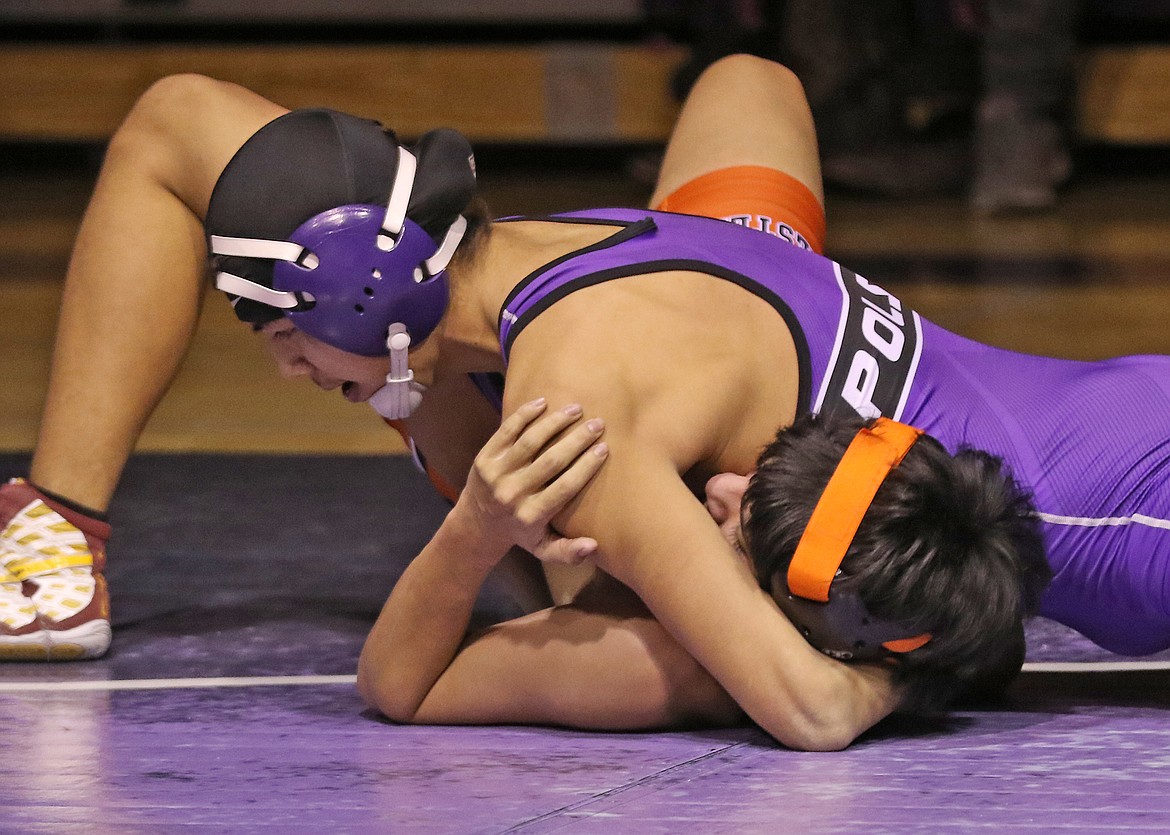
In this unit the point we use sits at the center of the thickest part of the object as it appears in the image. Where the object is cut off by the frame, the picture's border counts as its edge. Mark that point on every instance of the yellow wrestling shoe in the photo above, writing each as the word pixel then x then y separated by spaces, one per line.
pixel 55 557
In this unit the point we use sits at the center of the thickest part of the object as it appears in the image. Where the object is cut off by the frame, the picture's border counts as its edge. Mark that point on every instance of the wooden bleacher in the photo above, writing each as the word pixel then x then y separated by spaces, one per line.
pixel 500 70
pixel 557 92
pixel 507 71
pixel 566 92
pixel 1123 95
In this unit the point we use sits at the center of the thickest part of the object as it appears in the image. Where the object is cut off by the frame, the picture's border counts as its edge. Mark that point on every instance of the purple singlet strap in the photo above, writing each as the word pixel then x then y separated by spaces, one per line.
pixel 533 288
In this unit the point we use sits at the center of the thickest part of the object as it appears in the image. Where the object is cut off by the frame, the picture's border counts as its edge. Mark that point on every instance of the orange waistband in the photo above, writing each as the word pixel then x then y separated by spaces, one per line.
pixel 756 196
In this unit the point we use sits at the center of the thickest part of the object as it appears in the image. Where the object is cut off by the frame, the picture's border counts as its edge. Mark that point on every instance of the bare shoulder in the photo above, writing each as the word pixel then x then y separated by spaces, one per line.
pixel 684 356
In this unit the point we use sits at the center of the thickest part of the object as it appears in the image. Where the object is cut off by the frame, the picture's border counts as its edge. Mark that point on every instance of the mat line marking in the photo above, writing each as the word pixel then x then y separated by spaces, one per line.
pixel 170 683
pixel 1095 666
pixel 303 681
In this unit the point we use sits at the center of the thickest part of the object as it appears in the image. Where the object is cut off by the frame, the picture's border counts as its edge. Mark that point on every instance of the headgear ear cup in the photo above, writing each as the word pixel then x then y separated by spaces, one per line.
pixel 823 603
pixel 295 167
pixel 297 231
pixel 362 259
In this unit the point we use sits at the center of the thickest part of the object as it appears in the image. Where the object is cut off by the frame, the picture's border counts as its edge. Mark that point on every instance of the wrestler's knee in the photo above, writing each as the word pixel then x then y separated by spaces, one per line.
pixel 168 113
pixel 183 130
pixel 752 76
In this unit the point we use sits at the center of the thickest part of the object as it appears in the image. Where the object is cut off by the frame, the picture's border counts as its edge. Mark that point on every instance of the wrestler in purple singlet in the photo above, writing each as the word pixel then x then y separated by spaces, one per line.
pixel 1091 440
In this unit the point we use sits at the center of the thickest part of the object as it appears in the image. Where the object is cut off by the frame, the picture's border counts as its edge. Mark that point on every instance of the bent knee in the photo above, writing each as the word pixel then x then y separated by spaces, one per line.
pixel 170 107
pixel 184 129
pixel 753 75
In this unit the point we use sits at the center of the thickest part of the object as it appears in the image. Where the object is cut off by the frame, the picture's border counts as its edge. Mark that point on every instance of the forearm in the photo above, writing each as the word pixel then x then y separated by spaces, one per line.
pixel 709 600
pixel 425 619
pixel 598 665
pixel 803 699
pixel 527 471
pixel 835 704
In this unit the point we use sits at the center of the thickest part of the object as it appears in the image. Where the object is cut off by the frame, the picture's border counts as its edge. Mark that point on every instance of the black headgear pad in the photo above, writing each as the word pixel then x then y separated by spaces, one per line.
pixel 310 161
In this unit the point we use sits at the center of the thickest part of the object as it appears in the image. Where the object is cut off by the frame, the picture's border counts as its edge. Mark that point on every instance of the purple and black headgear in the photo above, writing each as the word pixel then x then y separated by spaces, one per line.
pixel 327 219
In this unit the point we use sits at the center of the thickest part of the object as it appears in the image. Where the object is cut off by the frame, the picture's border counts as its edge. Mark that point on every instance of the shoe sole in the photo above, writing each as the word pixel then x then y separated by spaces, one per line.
pixel 89 640
pixel 25 648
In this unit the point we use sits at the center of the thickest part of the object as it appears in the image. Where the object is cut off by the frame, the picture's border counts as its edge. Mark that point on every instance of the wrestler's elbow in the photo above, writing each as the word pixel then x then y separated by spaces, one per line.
pixel 367 685
pixel 380 693
pixel 812 730
pixel 826 713
pixel 825 736
pixel 398 710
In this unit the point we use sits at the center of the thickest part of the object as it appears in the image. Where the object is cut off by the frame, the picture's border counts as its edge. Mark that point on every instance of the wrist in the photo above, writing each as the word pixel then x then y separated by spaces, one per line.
pixel 467 536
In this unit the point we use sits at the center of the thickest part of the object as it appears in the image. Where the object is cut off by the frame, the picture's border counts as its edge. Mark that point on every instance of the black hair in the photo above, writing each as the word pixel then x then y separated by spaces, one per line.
pixel 950 545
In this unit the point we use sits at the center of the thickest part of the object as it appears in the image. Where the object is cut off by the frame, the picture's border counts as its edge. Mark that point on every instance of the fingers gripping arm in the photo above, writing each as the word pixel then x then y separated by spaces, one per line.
pixel 519 480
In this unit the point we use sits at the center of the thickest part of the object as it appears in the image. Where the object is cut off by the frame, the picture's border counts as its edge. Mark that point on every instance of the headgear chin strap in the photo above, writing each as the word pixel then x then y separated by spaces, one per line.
pixel 822 602
pixel 401 395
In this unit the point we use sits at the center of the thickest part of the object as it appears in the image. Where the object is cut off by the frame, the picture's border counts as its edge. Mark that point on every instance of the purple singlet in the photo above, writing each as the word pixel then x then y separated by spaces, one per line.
pixel 1091 440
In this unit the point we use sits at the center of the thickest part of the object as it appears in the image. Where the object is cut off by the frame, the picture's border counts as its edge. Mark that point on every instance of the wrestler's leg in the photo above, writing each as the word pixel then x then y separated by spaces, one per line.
pixel 743 110
pixel 131 299
pixel 135 281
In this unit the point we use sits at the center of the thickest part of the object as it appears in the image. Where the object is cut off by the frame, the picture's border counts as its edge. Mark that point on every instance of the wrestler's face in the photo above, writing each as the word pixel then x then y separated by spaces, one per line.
pixel 299 355
pixel 725 504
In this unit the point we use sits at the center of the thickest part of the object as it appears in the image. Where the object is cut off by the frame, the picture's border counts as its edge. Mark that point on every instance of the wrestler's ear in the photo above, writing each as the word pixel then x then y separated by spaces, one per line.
pixel 445 181
pixel 725 493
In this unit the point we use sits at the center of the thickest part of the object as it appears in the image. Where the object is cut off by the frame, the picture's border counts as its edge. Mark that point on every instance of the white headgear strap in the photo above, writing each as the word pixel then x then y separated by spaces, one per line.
pixel 392 225
pixel 399 200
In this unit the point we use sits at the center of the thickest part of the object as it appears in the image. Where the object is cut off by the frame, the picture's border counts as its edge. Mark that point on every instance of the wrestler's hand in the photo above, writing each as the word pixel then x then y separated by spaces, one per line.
pixel 523 477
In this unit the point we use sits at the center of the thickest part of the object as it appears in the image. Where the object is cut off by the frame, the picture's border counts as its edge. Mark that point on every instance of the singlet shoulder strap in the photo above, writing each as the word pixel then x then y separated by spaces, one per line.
pixel 530 289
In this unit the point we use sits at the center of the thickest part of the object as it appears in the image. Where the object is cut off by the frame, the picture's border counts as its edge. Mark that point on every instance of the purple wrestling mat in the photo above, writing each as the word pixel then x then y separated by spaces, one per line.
pixel 243 587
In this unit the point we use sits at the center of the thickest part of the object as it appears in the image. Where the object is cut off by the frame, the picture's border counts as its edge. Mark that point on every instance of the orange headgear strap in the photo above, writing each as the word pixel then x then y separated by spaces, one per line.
pixel 835 519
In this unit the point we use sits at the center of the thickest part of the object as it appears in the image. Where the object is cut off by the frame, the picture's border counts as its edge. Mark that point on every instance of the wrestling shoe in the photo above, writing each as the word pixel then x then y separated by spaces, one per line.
pixel 57 555
pixel 20 629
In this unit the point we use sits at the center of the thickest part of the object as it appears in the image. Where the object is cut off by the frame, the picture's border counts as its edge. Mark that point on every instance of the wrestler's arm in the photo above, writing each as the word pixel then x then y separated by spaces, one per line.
pixel 606 667
pixel 602 662
pixel 605 662
pixel 659 541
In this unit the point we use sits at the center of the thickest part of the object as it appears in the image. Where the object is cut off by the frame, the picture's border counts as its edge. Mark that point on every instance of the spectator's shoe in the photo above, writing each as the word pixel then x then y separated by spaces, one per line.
pixel 58 556
pixel 1020 159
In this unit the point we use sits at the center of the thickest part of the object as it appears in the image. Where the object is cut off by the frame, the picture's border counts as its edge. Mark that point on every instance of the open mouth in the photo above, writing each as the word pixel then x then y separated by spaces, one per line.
pixel 349 391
